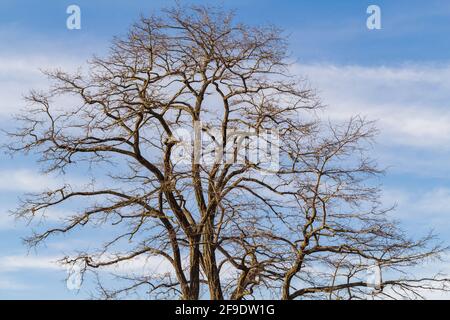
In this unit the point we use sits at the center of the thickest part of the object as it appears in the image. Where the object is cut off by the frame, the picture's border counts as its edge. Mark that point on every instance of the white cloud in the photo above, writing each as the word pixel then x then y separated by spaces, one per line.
pixel 411 103
pixel 20 74
pixel 6 221
pixel 9 222
pixel 426 209
pixel 7 284
pixel 436 201
pixel 19 262
pixel 140 264
pixel 26 180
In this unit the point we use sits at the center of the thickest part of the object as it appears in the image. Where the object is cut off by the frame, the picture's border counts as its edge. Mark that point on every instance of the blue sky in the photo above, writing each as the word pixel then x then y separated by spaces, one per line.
pixel 399 76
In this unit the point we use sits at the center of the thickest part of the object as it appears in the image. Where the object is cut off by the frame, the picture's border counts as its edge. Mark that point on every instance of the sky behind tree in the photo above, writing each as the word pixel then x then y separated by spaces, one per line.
pixel 398 75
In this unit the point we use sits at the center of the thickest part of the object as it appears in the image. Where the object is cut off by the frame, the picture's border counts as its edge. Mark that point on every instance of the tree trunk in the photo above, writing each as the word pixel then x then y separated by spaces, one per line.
pixel 194 268
pixel 210 265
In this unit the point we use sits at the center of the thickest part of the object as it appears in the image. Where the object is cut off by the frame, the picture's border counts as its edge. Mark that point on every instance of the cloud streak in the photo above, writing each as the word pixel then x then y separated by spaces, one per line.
pixel 411 103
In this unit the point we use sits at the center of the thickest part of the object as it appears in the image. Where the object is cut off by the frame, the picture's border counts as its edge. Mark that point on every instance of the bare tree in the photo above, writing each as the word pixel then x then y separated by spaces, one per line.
pixel 301 220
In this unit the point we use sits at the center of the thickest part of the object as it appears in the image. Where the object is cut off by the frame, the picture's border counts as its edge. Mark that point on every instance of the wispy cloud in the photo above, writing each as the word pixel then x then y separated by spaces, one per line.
pixel 424 210
pixel 19 262
pixel 27 180
pixel 20 74
pixel 8 284
pixel 15 182
pixel 138 265
pixel 411 103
